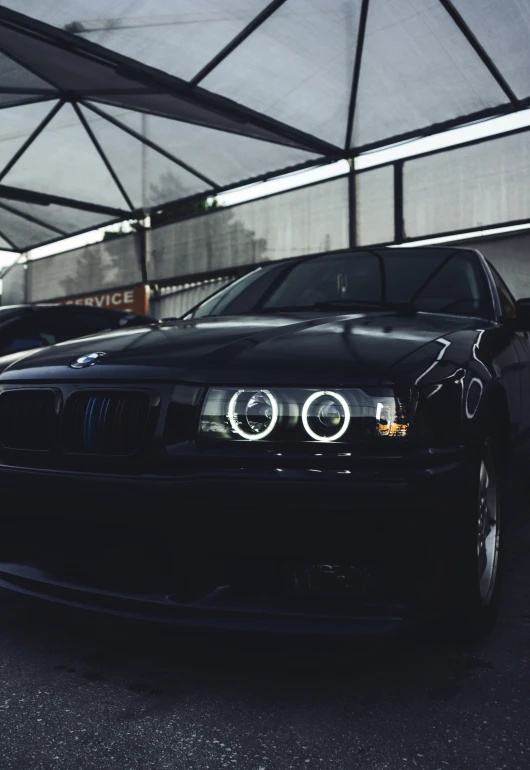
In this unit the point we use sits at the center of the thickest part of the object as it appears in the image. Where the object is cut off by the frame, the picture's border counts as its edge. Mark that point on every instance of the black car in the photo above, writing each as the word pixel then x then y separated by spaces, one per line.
pixel 24 328
pixel 320 446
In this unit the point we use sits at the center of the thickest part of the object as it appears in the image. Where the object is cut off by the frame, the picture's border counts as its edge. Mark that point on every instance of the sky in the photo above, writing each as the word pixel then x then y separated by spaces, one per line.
pixel 447 139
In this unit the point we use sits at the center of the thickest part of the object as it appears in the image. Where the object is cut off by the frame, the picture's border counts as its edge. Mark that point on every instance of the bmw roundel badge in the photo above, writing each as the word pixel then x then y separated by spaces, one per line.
pixel 89 360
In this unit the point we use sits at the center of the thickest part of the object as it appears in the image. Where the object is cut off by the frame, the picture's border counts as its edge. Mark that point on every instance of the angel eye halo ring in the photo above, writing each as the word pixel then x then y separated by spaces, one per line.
pixel 290 415
pixel 261 401
pixel 337 398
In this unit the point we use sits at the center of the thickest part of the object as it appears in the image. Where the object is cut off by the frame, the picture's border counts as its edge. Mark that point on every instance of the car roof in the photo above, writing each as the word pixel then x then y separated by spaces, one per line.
pixel 43 305
pixel 361 250
pixel 63 308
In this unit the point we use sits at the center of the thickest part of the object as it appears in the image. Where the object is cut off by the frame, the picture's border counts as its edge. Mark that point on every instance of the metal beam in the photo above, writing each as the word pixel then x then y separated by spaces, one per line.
pixel 42 125
pixel 352 208
pixel 149 143
pixel 43 199
pixel 48 92
pixel 280 133
pixel 451 147
pixel 356 72
pixel 240 117
pixel 58 239
pixel 480 50
pixel 103 157
pixel 13 246
pixel 233 44
pixel 35 220
pixel 478 229
pixel 438 128
pixel 141 233
pixel 23 64
pixel 399 218
pixel 35 100
pixel 262 178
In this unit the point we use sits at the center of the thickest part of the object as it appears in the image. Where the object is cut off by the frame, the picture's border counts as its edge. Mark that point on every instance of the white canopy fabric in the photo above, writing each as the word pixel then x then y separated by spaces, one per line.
pixel 111 109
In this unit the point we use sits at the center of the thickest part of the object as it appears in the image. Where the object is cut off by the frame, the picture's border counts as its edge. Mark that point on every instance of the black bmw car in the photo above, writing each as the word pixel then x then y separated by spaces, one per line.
pixel 318 447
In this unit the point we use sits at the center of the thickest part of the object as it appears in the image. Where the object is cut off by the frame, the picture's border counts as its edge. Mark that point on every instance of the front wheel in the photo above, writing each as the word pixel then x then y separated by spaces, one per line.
pixel 488 527
pixel 472 585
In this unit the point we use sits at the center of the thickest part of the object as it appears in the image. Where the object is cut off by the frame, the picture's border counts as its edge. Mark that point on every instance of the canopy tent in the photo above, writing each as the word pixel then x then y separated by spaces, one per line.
pixel 103 117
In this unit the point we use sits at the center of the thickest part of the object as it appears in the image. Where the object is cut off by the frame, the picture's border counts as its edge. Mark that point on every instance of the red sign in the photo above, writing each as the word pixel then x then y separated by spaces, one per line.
pixel 135 300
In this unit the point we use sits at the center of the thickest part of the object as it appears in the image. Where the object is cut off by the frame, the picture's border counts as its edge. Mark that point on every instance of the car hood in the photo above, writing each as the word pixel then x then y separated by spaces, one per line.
pixel 290 349
pixel 10 358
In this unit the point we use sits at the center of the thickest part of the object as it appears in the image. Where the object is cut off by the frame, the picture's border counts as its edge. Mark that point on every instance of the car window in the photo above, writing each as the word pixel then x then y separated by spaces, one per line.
pixel 240 295
pixel 441 280
pixel 21 335
pixel 320 280
pixel 508 309
pixel 47 326
pixel 456 285
pixel 60 325
pixel 8 313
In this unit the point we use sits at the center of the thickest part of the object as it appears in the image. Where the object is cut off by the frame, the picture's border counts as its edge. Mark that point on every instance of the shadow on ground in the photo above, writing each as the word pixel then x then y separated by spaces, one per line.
pixel 81 691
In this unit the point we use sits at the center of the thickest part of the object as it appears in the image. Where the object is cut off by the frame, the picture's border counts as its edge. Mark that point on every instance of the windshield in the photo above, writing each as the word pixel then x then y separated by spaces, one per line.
pixel 432 280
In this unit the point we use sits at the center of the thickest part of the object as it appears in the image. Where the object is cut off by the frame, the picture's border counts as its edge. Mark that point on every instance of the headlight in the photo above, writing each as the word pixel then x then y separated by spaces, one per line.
pixel 253 414
pixel 304 414
pixel 326 415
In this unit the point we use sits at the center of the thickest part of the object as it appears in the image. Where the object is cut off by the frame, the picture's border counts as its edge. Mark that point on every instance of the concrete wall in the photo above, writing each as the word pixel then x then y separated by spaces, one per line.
pixel 510 254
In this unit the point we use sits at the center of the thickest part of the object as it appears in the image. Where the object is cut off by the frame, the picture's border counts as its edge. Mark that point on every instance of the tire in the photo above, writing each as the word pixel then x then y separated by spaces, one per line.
pixel 471 589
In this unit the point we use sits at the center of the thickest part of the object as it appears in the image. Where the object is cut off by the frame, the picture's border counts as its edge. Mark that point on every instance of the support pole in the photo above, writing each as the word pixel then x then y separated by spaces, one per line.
pixel 399 221
pixel 352 207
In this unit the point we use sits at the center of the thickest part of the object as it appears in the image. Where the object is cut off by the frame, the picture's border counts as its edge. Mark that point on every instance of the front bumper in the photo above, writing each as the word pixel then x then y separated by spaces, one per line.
pixel 304 551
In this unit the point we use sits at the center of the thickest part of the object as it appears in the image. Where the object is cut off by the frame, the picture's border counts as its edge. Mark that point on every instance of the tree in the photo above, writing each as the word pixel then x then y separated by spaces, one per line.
pixel 171 189
pixel 99 264
pixel 204 238
pixel 200 244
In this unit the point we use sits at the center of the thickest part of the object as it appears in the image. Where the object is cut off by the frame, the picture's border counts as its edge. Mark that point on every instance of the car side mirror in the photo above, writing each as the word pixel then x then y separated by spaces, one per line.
pixel 522 315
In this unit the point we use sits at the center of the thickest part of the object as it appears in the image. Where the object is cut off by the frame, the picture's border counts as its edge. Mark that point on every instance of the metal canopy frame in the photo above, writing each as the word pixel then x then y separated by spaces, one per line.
pixel 480 50
pixel 397 166
pixel 153 80
pixel 233 44
pixel 213 185
pixel 202 107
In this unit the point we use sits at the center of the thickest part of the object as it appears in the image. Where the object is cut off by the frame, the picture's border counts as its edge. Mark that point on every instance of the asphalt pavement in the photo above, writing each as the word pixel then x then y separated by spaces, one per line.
pixel 81 693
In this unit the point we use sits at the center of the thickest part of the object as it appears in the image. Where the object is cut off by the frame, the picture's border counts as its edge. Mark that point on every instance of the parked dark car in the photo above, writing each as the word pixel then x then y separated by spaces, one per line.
pixel 24 328
pixel 320 446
